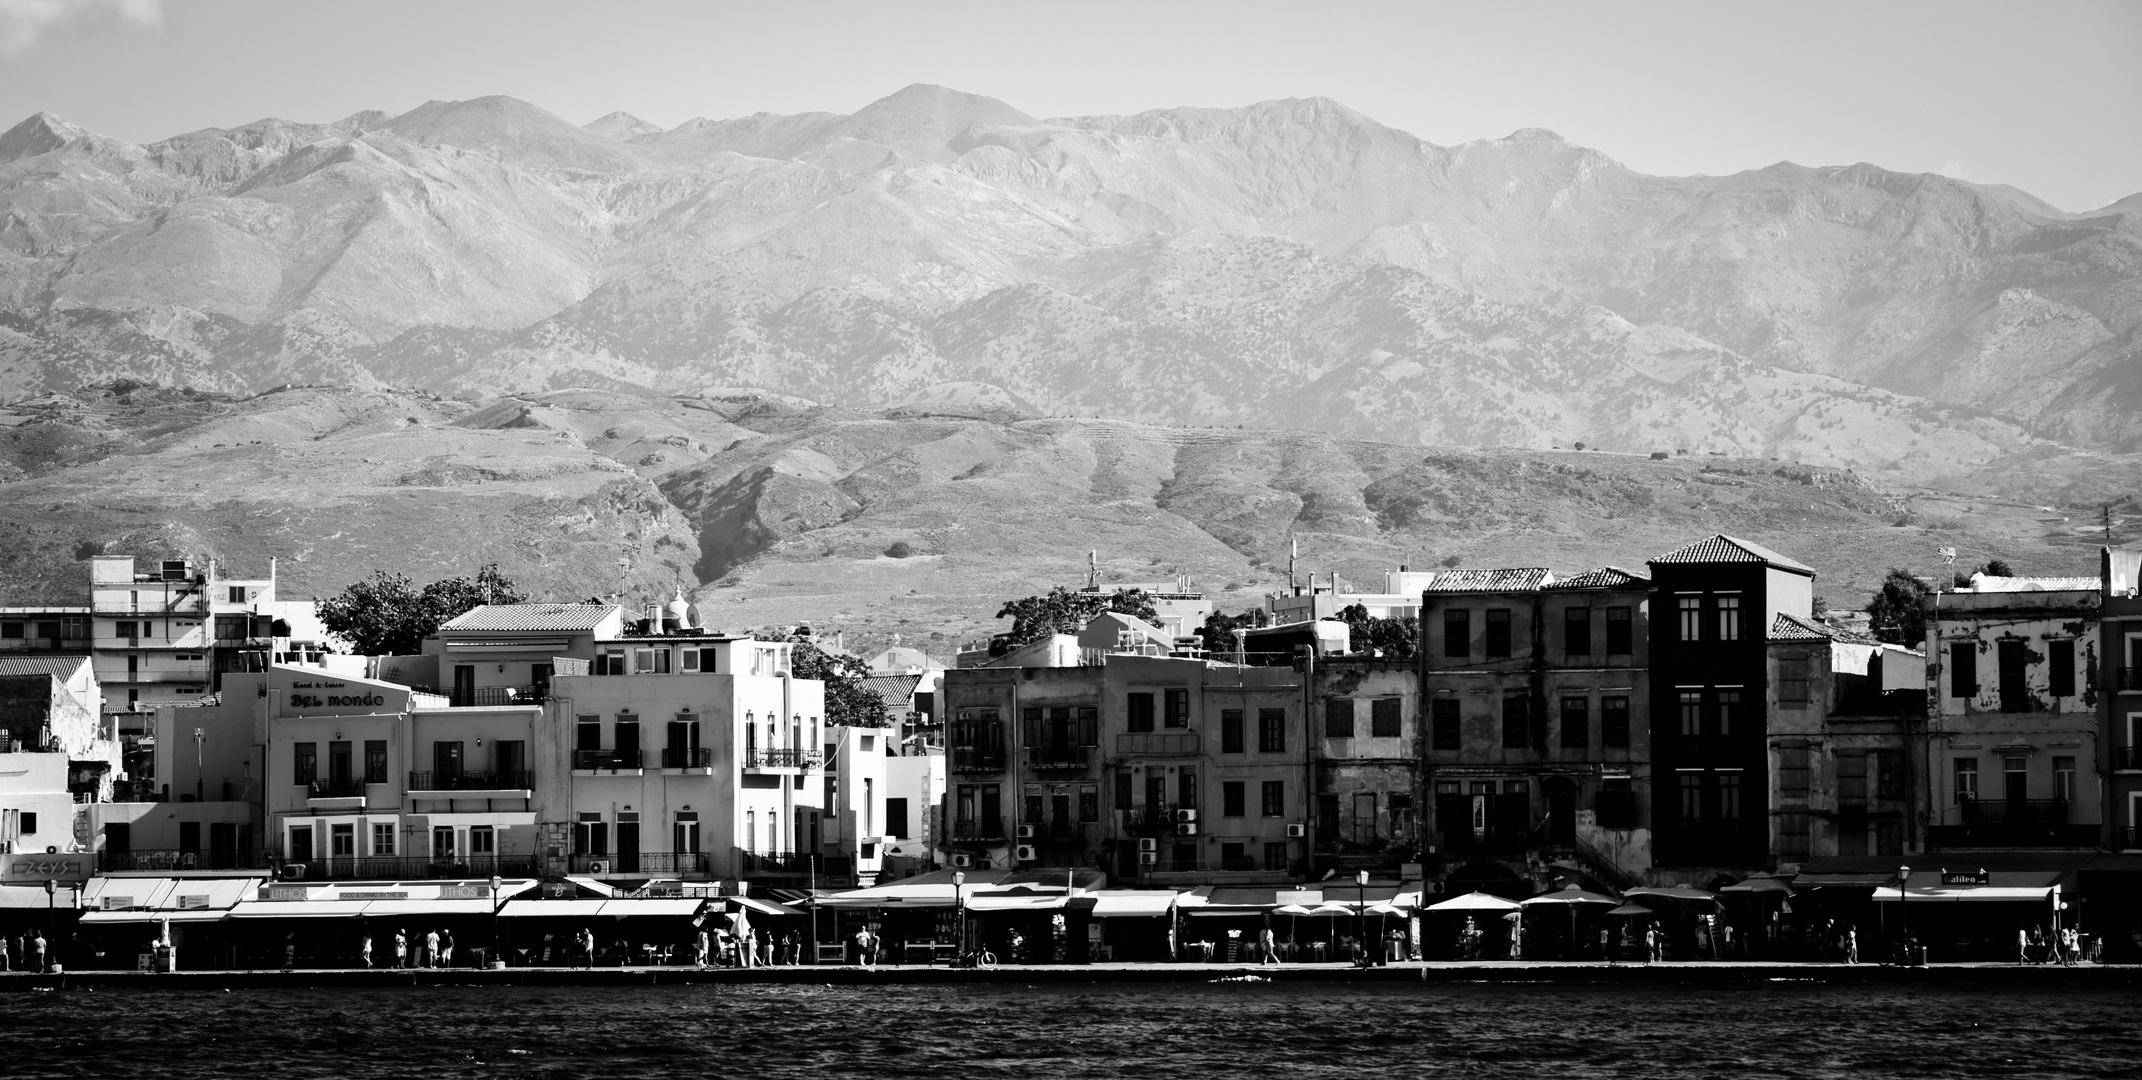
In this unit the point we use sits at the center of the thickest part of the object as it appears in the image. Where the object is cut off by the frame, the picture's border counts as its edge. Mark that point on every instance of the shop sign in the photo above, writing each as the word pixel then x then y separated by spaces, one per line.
pixel 288 892
pixel 35 868
pixel 193 903
pixel 1966 877
pixel 464 892
pixel 117 903
pixel 1304 897
pixel 379 894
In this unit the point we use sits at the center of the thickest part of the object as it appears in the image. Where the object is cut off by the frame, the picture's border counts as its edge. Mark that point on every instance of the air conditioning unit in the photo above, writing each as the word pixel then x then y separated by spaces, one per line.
pixel 1186 829
pixel 1025 852
pixel 1026 832
pixel 1147 843
pixel 1297 830
pixel 962 862
pixel 599 867
pixel 1148 858
pixel 1186 815
pixel 293 871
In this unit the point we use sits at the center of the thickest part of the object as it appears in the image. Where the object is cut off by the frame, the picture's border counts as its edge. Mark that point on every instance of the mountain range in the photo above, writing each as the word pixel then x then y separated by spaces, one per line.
pixel 1284 265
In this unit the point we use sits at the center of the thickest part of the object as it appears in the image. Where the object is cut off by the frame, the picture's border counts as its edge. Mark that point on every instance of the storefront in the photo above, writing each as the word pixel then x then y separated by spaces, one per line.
pixel 162 923
pixel 1981 915
pixel 325 925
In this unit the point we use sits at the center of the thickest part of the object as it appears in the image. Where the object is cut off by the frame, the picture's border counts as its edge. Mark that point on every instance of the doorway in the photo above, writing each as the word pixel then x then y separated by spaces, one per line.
pixel 1561 811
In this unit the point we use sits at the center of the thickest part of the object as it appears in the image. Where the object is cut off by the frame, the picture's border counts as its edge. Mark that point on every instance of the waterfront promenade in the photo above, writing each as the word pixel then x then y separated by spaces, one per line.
pixel 1491 972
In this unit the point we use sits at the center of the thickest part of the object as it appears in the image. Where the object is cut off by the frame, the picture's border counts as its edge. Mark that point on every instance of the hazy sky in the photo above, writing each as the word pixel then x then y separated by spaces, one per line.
pixel 2046 96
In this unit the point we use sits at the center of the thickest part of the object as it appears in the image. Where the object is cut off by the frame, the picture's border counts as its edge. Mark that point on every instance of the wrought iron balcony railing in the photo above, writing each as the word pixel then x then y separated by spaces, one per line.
pixel 616 758
pixel 471 781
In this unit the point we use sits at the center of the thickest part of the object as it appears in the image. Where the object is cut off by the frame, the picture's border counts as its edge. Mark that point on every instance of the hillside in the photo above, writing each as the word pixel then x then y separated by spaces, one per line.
pixel 1287 264
pixel 776 510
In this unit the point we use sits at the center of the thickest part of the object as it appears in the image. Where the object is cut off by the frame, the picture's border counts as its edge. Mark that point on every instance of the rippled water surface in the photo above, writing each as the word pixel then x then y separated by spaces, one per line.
pixel 1216 1031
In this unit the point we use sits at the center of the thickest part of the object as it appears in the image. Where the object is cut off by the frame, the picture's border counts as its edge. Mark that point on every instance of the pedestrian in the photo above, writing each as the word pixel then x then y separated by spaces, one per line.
pixel 33 953
pixel 431 948
pixel 446 948
pixel 2066 947
pixel 364 951
pixel 4 955
pixel 1267 948
pixel 401 949
pixel 289 951
pixel 1651 943
pixel 788 949
pixel 587 945
pixel 1851 944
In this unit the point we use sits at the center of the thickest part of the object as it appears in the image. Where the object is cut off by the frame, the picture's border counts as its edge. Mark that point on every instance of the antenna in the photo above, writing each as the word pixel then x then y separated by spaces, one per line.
pixel 1093 569
pixel 1948 556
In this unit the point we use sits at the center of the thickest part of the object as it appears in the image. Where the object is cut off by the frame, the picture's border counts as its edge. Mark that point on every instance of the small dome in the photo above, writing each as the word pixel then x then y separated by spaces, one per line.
pixel 680 610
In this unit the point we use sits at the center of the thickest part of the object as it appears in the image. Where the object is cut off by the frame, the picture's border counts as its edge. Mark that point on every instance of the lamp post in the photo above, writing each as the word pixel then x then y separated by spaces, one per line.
pixel 1360 914
pixel 199 736
pixel 51 923
pixel 959 912
pixel 1903 937
pixel 498 947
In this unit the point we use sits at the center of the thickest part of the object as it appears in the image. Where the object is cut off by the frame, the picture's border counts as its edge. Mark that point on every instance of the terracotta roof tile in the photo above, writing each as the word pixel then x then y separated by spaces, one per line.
pixel 1726 549
pixel 1605 577
pixel 1514 579
pixel 493 617
pixel 59 667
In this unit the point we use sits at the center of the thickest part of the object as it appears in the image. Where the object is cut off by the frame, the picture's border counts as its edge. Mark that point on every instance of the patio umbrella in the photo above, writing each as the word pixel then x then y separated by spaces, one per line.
pixel 1569 896
pixel 1291 909
pixel 1676 892
pixel 1475 901
pixel 1760 883
pixel 1632 911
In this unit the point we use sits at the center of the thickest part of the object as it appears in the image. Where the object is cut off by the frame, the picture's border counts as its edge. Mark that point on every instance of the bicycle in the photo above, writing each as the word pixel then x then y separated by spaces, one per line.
pixel 979 959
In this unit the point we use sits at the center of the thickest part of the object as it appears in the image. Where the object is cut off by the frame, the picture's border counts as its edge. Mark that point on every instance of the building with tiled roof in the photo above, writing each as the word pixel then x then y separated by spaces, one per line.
pixel 1513 579
pixel 499 654
pixel 1986 583
pixel 531 617
pixel 1728 549
pixel 1605 577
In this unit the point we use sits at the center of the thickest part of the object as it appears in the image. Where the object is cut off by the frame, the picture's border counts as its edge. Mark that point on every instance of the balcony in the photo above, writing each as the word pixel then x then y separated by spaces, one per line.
pixel 471 785
pixel 1057 831
pixel 1045 758
pixel 493 696
pixel 2014 811
pixel 641 864
pixel 2013 823
pixel 1157 743
pixel 773 862
pixel 1239 865
pixel 779 759
pixel 406 867
pixel 977 830
pixel 612 760
pixel 687 757
pixel 342 794
pixel 123 862
pixel 974 759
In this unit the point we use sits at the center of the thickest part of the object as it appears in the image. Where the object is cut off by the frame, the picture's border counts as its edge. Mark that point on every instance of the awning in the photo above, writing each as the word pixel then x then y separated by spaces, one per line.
pixel 760 907
pixel 592 885
pixel 301 909
pixel 552 909
pixel 1475 901
pixel 33 896
pixel 669 906
pixel 1140 903
pixel 151 918
pixel 392 908
pixel 1974 893
pixel 1014 902
pixel 1861 880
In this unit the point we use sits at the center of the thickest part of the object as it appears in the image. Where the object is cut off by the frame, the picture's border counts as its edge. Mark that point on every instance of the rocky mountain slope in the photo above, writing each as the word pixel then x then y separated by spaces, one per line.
pixel 1285 264
pixel 772 510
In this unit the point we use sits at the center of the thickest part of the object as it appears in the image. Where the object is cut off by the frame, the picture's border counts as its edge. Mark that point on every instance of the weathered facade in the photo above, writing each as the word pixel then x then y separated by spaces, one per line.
pixel 1537 753
pixel 1845 718
pixel 1367 764
pixel 2012 714
pixel 2120 688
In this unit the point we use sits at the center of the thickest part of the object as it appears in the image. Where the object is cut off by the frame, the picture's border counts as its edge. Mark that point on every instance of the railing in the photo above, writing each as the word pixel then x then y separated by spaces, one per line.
pixel 1156 742
pixel 406 867
pixel 117 862
pixel 335 789
pixel 687 757
pixel 780 758
pixel 2014 811
pixel 475 697
pixel 471 781
pixel 1238 865
pixel 774 862
pixel 628 758
pixel 1059 757
pixel 1056 831
pixel 654 863
pixel 978 828
pixel 977 759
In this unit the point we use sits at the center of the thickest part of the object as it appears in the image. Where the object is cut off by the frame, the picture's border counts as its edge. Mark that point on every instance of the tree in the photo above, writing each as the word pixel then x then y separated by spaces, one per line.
pixel 387 615
pixel 1392 638
pixel 1063 611
pixel 1897 609
pixel 1218 633
pixel 848 702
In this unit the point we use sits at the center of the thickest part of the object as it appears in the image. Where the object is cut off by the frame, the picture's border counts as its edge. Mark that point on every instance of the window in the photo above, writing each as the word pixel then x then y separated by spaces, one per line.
pixel 1275 856
pixel 2060 667
pixel 1620 631
pixel 342 841
pixel 1275 798
pixel 1457 633
pixel 1233 794
pixel 446 761
pixel 1178 714
pixel 688 660
pixel 1230 731
pixel 2064 779
pixel 382 838
pixel 1339 718
pixel 1729 618
pixel 1966 779
pixel 1383 718
pixel 126 628
pixel 305 763
pixel 375 761
pixel 235 594
pixel 1139 712
pixel 591 836
pixel 1616 804
pixel 1691 702
pixel 1272 730
pixel 1963 669
pixel 1792 834
pixel 10 630
pixel 1691 612
pixel 1852 780
pixel 610 663
pixel 483 840
pixel 1728 798
pixel 1576 723
pixel 1885 774
pixel 229 627
pixel 1728 711
pixel 1125 796
pixel 1792 680
pixel 1185 860
pixel 1234 857
pixel 1089 802
pixel 27 822
pixel 1614 722
pixel 1516 720
pixel 1443 721
pixel 1186 788
pixel 587 733
pixel 1577 630
pixel 1498 633
pixel 2012 655
pixel 1792 772
pixel 650 661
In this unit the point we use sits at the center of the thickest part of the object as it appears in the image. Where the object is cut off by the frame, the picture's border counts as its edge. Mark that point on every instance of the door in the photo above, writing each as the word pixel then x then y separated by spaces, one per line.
pixel 341 768
pixel 445 764
pixel 2014 657
pixel 464 685
pixel 1561 811
pixel 539 680
pixel 342 847
pixel 684 841
pixel 223 845
pixel 1062 825
pixel 189 844
pixel 301 844
pixel 510 756
pixel 628 845
pixel 1364 823
pixel 119 845
pixel 2015 786
pixel 442 843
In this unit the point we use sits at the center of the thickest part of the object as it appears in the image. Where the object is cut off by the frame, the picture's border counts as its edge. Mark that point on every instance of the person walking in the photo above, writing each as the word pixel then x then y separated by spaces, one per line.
pixel 33 953
pixel 4 955
pixel 364 951
pixel 446 948
pixel 1267 947
pixel 431 948
pixel 1651 944
pixel 401 949
pixel 1851 944
pixel 587 945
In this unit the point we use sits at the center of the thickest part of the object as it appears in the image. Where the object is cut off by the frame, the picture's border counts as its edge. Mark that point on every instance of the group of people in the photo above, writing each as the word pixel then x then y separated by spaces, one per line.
pixel 434 950
pixel 744 947
pixel 2064 947
pixel 30 949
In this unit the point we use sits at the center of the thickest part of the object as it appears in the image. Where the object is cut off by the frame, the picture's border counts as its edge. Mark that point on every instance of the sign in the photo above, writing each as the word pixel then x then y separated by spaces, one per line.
pixel 118 903
pixel 462 892
pixel 36 868
pixel 287 892
pixel 193 903
pixel 378 894
pixel 336 701
pixel 1966 877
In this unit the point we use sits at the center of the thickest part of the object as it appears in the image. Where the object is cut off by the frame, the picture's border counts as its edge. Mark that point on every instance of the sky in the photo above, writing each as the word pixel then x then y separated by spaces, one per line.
pixel 2045 96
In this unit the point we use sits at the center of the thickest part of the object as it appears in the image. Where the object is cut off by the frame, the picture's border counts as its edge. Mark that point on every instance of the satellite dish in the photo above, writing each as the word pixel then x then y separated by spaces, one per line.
pixel 1948 555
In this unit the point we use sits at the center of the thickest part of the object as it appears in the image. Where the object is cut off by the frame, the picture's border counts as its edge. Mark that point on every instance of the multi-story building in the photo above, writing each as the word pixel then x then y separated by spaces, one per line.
pixel 500 654
pixel 2120 694
pixel 1400 598
pixel 1165 769
pixel 1846 714
pixel 855 819
pixel 1537 754
pixel 677 753
pixel 1715 599
pixel 1368 758
pixel 2012 714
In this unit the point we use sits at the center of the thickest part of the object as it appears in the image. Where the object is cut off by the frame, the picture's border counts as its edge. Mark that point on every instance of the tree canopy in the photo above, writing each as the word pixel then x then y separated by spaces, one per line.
pixel 848 702
pixel 386 614
pixel 1218 633
pixel 1063 611
pixel 1896 610
pixel 1390 638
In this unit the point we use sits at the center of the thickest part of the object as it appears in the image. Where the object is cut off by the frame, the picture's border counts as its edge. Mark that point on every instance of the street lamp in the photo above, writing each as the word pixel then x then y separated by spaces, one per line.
pixel 498 948
pixel 1903 938
pixel 1360 915
pixel 959 913
pixel 51 923
pixel 198 737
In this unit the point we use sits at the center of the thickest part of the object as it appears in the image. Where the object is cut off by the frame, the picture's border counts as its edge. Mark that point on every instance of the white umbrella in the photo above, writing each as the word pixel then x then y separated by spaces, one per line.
pixel 1475 901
